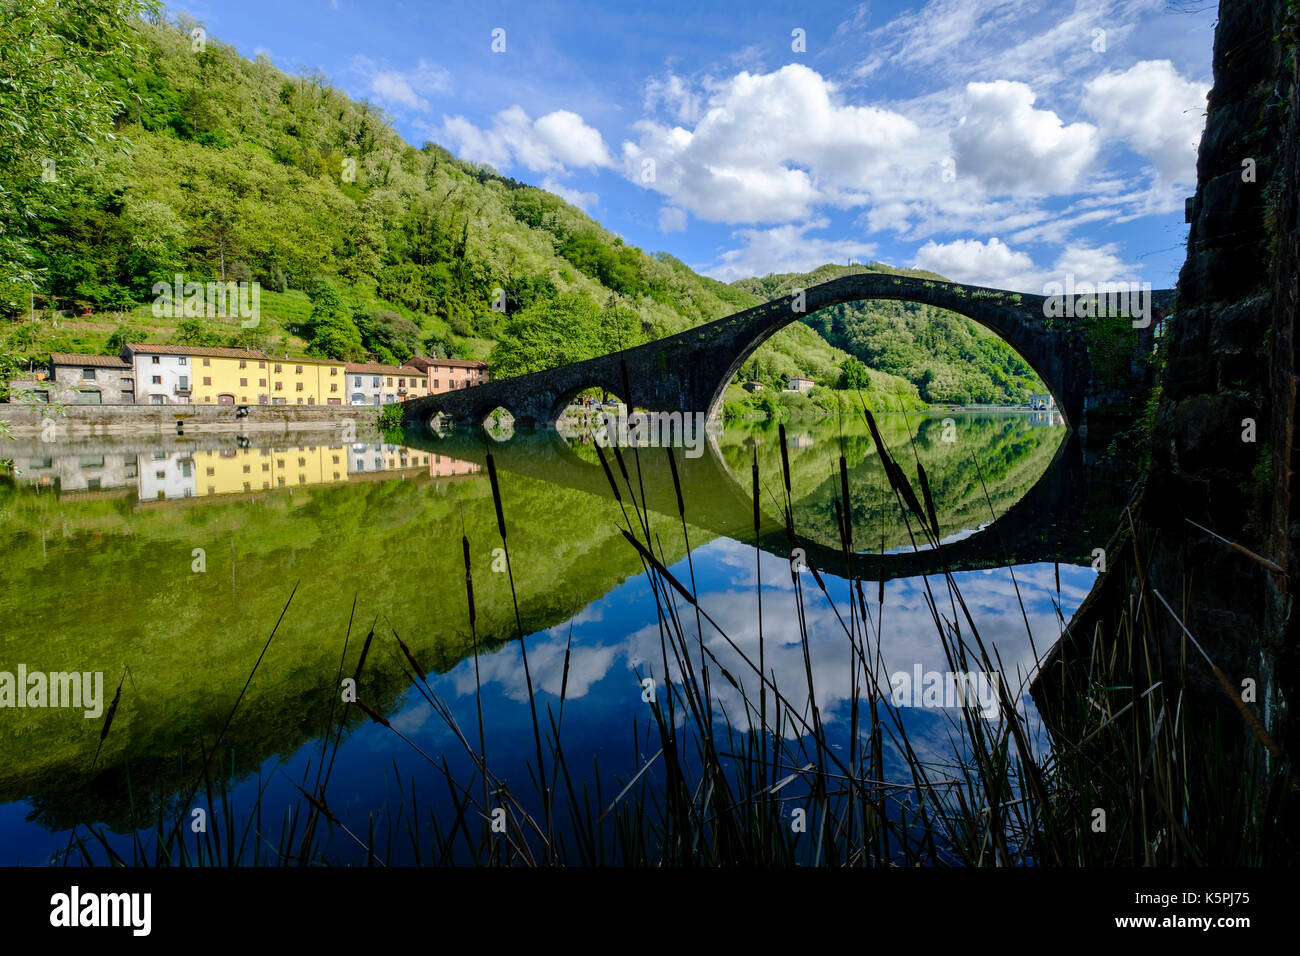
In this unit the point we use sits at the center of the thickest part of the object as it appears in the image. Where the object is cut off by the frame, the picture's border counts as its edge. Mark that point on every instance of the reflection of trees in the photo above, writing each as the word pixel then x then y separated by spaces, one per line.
pixel 1011 457
pixel 191 639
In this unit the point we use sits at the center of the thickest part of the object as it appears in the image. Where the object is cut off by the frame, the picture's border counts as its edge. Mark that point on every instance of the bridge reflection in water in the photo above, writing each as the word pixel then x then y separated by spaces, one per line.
pixel 1051 522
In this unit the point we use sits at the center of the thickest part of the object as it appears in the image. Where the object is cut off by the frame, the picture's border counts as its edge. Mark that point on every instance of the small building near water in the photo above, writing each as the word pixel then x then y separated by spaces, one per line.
pixel 802 385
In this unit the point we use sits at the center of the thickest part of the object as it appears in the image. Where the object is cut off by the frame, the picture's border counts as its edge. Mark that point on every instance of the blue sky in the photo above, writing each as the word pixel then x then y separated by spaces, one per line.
pixel 1000 142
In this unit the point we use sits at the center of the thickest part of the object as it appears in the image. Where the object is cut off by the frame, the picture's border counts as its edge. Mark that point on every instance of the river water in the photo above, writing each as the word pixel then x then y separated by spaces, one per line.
pixel 164 565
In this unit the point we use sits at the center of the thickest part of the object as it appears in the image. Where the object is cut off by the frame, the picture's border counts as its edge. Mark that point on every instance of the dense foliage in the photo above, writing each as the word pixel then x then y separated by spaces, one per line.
pixel 200 163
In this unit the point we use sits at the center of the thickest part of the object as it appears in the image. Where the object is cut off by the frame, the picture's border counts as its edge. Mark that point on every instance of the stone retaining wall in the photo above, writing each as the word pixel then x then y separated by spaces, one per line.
pixel 81 421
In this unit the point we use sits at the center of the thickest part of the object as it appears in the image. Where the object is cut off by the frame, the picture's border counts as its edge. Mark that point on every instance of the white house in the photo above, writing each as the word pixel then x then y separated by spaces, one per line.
pixel 161 378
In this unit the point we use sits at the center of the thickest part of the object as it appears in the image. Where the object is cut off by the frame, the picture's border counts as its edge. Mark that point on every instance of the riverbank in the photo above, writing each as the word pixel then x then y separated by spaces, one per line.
pixel 86 421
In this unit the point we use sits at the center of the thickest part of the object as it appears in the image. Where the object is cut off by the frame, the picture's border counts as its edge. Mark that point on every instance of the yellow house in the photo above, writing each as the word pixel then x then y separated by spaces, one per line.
pixel 220 376
pixel 306 381
pixel 236 470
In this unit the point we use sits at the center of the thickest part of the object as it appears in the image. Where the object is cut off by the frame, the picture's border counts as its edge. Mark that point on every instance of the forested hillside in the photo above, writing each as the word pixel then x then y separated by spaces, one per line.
pixel 950 358
pixel 222 168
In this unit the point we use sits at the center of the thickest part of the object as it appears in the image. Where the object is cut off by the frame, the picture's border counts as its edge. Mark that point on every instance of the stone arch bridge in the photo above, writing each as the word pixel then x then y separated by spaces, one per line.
pixel 689 371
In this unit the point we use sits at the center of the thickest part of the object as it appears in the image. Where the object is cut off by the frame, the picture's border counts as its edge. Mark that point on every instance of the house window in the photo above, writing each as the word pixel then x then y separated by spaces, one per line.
pixel 247 469
pixel 211 471
pixel 356 381
pixel 248 486
pixel 261 365
pixel 182 360
pixel 435 383
pixel 262 382
pixel 157 379
pixel 334 386
pixel 401 383
pixel 299 387
pixel 277 369
pixel 157 360
pixel 243 363
pixel 376 381
pixel 390 381
pixel 297 370
pixel 155 399
pixel 266 466
pixel 279 386
pixel 334 371
pixel 243 381
pixel 207 362
pixel 207 380
pixel 183 382
pixel 88 373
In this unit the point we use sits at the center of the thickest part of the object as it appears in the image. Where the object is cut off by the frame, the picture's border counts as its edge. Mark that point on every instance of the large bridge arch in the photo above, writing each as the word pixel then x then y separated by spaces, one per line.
pixel 1009 315
pixel 689 371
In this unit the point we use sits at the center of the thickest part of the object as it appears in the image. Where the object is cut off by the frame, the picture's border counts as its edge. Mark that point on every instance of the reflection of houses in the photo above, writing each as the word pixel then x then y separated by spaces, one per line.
pixel 183 474
pixel 444 467
pixel 372 457
pixel 1045 419
pixel 233 470
pixel 165 475
pixel 79 473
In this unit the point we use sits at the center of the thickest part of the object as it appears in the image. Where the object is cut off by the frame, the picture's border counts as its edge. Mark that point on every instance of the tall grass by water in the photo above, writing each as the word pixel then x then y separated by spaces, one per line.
pixel 1126 770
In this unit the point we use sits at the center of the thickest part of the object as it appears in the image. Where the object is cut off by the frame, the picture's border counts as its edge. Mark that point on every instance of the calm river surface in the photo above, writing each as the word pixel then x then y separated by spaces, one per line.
pixel 170 561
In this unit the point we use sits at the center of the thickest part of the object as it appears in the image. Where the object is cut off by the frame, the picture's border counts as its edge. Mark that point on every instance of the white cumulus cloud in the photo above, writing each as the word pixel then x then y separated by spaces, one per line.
pixel 769 148
pixel 1010 147
pixel 404 88
pixel 785 248
pixel 994 263
pixel 553 144
pixel 1157 112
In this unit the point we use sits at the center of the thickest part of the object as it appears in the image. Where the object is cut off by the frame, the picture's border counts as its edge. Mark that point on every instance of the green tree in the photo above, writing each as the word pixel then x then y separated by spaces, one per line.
pixel 57 102
pixel 853 374
pixel 547 334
